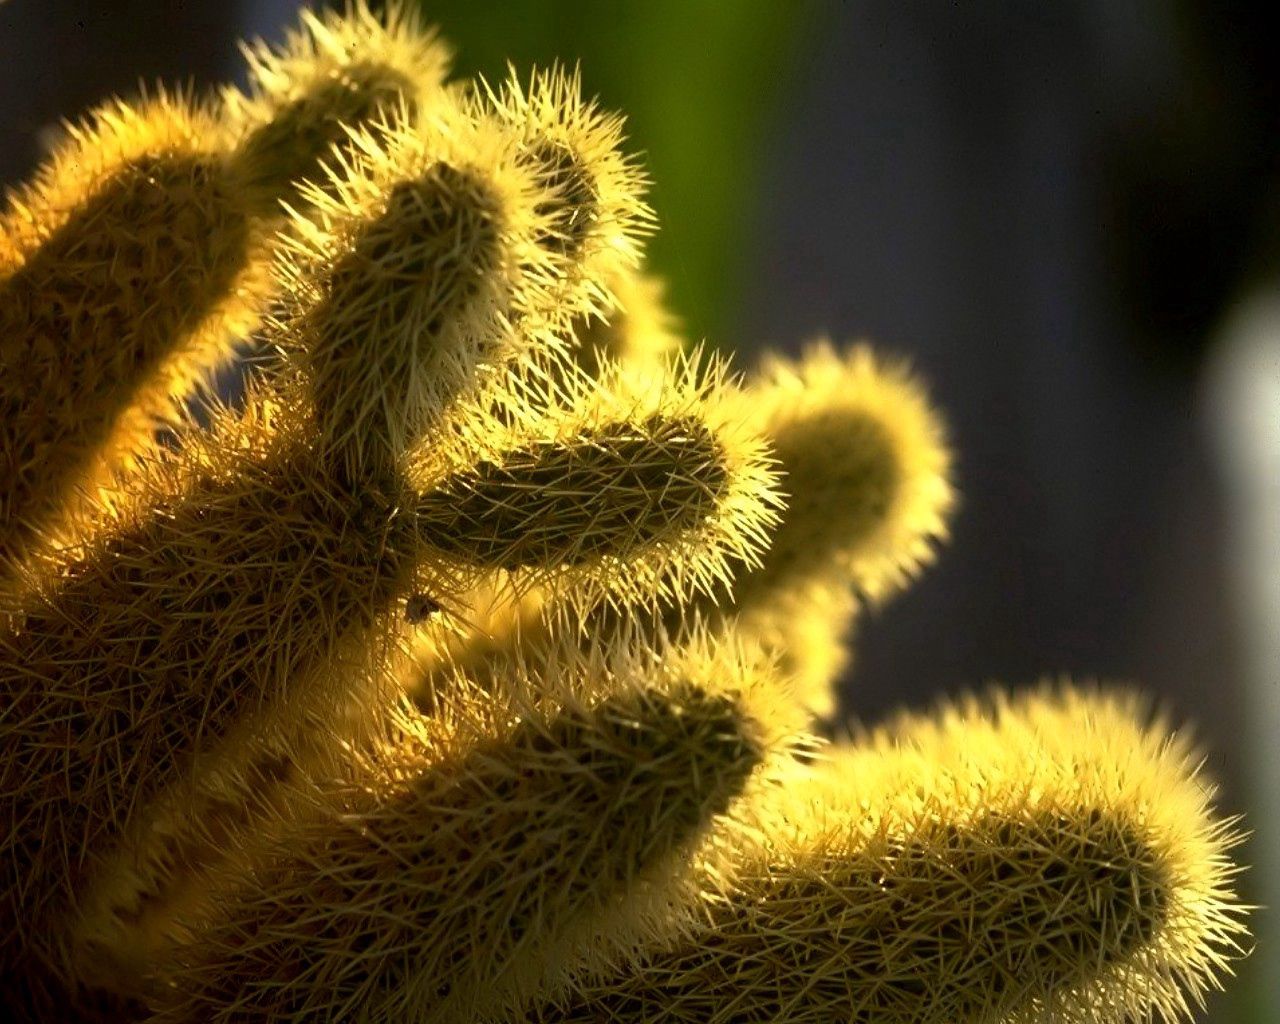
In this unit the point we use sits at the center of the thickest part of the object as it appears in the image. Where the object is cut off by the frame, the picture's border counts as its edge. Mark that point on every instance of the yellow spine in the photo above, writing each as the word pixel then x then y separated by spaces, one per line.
pixel 467 857
pixel 131 260
pixel 1044 857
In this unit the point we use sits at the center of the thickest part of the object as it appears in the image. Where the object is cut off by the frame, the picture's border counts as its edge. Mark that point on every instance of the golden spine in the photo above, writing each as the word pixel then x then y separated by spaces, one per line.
pixel 467 857
pixel 1042 857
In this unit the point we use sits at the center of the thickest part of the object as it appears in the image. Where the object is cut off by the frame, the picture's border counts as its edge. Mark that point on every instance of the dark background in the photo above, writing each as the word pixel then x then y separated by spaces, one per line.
pixel 1057 210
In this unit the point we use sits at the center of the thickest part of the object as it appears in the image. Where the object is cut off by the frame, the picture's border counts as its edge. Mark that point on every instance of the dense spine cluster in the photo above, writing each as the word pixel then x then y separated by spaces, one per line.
pixel 460 670
pixel 139 257
pixel 1047 857
pixel 467 855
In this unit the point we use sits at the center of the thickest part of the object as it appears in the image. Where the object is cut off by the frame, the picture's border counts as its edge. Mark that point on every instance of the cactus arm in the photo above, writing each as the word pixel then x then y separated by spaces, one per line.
pixel 133 260
pixel 641 464
pixel 466 857
pixel 1046 857
pixel 867 473
pixel 336 71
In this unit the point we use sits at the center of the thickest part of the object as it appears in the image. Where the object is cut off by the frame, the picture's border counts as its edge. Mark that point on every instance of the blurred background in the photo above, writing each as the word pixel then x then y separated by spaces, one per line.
pixel 1067 215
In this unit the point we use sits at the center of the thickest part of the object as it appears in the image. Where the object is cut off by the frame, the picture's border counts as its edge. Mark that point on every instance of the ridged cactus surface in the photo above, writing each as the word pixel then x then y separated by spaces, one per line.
pixel 466 668
pixel 1045 857
pixel 504 828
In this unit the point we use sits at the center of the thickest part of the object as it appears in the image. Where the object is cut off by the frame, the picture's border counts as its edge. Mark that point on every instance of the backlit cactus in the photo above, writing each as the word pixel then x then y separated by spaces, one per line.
pixel 139 255
pixel 1048 857
pixel 504 828
pixel 460 671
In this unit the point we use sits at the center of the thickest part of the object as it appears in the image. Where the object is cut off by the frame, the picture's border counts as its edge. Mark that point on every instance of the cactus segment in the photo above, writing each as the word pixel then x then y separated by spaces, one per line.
pixel 335 72
pixel 131 264
pixel 652 478
pixel 595 194
pixel 864 464
pixel 414 276
pixel 465 860
pixel 1044 857
pixel 639 488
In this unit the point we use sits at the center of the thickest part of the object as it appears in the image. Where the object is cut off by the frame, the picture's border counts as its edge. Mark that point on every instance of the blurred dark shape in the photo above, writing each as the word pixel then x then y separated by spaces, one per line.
pixel 1189 179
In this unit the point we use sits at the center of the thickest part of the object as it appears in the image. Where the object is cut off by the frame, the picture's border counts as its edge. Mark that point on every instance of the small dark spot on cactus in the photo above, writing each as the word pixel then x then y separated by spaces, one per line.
pixel 420 607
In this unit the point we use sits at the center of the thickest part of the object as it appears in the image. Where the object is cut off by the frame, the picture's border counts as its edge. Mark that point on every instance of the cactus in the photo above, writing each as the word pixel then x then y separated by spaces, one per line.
pixel 464 670
pixel 1049 857
pixel 140 254
pixel 505 827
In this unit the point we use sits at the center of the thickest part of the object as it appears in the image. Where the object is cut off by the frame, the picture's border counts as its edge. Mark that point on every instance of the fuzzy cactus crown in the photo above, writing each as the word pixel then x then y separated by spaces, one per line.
pixel 468 667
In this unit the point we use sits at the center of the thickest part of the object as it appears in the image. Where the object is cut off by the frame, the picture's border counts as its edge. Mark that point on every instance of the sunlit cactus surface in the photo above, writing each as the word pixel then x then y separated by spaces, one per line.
pixel 470 665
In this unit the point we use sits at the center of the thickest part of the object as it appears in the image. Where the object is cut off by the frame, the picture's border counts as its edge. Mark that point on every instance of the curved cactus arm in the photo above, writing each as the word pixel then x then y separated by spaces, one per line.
pixel 1045 857
pixel 337 71
pixel 417 275
pixel 865 464
pixel 132 263
pixel 468 857
pixel 867 476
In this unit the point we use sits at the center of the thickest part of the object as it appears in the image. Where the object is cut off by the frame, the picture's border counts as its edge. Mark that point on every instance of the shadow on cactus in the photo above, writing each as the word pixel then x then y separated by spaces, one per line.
pixel 466 669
